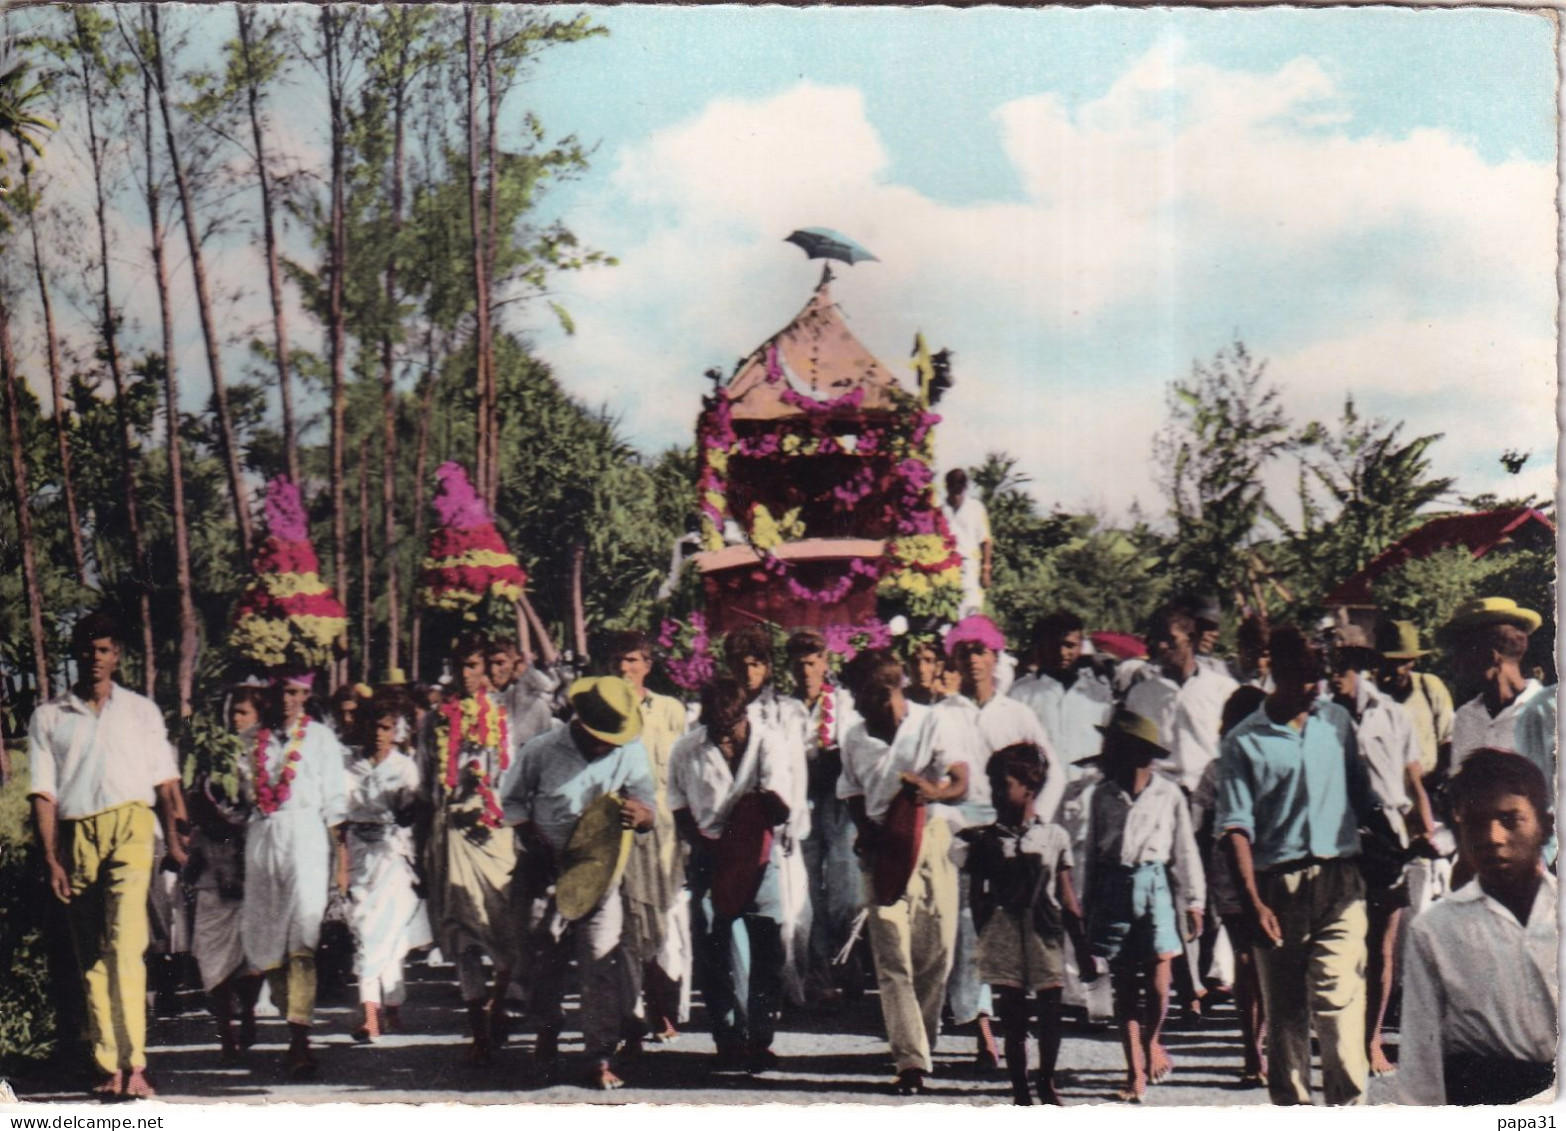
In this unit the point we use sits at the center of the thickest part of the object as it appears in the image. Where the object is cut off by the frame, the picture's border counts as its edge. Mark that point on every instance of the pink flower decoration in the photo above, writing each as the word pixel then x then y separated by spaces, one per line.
pixel 456 504
pixel 285 515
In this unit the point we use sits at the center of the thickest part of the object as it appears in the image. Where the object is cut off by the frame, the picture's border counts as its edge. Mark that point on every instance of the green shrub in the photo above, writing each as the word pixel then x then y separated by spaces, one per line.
pixel 28 1021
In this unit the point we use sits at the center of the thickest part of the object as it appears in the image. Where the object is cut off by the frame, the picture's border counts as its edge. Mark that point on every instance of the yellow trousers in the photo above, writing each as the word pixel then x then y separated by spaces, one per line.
pixel 1317 974
pixel 293 987
pixel 110 864
pixel 913 941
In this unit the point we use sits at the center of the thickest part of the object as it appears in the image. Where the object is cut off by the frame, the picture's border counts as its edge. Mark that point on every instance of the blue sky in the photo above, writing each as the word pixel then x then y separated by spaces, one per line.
pixel 1079 203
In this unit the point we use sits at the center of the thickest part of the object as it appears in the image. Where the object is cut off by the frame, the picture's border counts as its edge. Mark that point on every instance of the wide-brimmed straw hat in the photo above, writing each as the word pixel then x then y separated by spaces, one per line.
pixel 1399 640
pixel 1483 611
pixel 1128 726
pixel 606 707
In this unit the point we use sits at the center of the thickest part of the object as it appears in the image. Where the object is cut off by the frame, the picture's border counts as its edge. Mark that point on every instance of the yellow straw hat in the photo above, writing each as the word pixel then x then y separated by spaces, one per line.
pixel 606 707
pixel 1482 611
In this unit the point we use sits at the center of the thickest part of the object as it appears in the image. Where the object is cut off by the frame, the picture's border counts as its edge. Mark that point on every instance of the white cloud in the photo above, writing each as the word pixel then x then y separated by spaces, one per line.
pixel 1406 269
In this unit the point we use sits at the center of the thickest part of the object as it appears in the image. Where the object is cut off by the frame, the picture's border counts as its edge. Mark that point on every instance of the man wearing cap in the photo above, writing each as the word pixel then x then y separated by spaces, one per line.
pixel 100 761
pixel 894 758
pixel 1385 738
pixel 969 523
pixel 1184 699
pixel 988 721
pixel 559 775
pixel 1490 638
pixel 1143 888
pixel 724 774
pixel 1423 696
pixel 1207 614
pixel 1293 793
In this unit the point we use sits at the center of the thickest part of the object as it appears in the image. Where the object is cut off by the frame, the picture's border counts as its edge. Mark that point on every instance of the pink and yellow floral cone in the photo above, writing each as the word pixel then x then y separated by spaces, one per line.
pixel 287 616
pixel 468 559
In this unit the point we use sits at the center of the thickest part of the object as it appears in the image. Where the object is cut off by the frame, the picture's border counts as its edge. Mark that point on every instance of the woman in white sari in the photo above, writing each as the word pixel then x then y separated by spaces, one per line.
pixel 386 911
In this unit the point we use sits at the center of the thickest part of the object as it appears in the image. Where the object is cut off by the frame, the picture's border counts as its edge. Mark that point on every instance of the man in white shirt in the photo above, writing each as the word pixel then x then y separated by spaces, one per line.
pixel 524 691
pixel 100 760
pixel 1490 638
pixel 897 749
pixel 1481 992
pixel 1183 698
pixel 969 521
pixel 1386 742
pixel 992 721
pixel 712 772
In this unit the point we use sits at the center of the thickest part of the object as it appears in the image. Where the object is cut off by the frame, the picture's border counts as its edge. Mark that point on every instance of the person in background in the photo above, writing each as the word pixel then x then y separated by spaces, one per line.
pixel 1025 907
pixel 1385 740
pixel 100 760
pixel 897 748
pixel 926 669
pixel 299 794
pixel 526 693
pixel 1292 795
pixel 1481 995
pixel 1143 888
pixel 386 912
pixel 347 702
pixel 711 769
pixel 969 522
pixel 747 653
pixel 1207 617
pixel 1490 638
pixel 1251 665
pixel 657 933
pixel 216 873
pixel 819 715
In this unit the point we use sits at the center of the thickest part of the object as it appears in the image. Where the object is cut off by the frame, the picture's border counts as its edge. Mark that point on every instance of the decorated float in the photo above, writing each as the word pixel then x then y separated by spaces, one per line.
pixel 816 494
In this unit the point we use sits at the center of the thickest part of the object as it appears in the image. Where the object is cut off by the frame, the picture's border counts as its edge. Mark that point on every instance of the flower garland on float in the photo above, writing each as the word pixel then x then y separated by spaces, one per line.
pixel 468 729
pixel 287 616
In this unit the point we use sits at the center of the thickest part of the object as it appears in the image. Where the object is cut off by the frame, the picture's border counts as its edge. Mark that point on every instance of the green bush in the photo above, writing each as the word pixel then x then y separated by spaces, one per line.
pixel 28 1022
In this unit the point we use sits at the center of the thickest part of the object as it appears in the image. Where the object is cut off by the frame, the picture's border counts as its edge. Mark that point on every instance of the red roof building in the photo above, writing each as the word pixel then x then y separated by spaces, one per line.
pixel 1478 533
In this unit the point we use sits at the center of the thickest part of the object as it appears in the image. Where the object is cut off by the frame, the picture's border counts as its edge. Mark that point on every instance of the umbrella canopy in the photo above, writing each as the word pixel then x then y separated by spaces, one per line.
pixel 824 243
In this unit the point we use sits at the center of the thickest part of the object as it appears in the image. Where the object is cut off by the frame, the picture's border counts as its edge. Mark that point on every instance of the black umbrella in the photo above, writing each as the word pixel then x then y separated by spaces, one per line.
pixel 824 243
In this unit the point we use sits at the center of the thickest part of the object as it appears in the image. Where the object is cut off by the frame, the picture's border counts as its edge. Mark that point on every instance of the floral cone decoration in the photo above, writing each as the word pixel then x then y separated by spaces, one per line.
pixel 468 560
pixel 287 616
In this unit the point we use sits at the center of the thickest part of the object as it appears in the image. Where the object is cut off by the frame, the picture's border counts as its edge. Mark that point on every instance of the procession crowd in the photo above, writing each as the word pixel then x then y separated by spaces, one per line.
pixel 1309 827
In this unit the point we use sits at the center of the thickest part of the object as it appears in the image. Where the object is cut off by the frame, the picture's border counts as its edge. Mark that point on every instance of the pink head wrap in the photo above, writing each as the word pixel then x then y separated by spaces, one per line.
pixel 305 680
pixel 979 629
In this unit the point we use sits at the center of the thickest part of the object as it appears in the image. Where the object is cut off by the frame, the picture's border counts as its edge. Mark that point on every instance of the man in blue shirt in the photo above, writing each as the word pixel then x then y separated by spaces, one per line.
pixel 1292 794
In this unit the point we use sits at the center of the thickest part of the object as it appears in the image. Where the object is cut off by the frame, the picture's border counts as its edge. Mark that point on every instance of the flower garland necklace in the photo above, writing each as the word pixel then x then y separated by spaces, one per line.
pixel 270 798
pixel 824 730
pixel 467 723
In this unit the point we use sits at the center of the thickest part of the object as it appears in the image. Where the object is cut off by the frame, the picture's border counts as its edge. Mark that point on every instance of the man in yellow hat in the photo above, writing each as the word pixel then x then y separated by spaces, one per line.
pixel 1489 636
pixel 560 774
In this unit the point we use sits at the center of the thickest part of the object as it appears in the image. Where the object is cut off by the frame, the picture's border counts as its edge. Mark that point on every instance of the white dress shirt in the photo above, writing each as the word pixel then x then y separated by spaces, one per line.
pixel 1477 981
pixel 1000 723
pixel 1388 745
pixel 1474 728
pixel 1152 828
pixel 1071 715
pixel 701 781
pixel 1189 716
pixel 872 768
pixel 90 763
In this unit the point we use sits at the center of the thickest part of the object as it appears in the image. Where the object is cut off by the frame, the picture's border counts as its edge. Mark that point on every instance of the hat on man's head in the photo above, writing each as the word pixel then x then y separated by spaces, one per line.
pixel 1129 726
pixel 1350 638
pixel 1203 606
pixel 305 680
pixel 1481 612
pixel 606 707
pixel 980 630
pixel 1399 640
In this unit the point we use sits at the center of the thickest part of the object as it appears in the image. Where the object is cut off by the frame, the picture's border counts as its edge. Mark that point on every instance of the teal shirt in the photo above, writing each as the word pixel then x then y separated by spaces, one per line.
pixel 1295 794
pixel 554 784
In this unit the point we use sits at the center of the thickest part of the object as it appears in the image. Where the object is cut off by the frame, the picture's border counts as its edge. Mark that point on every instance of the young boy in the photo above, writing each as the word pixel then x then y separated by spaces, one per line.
pixel 1024 906
pixel 1139 836
pixel 1480 990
